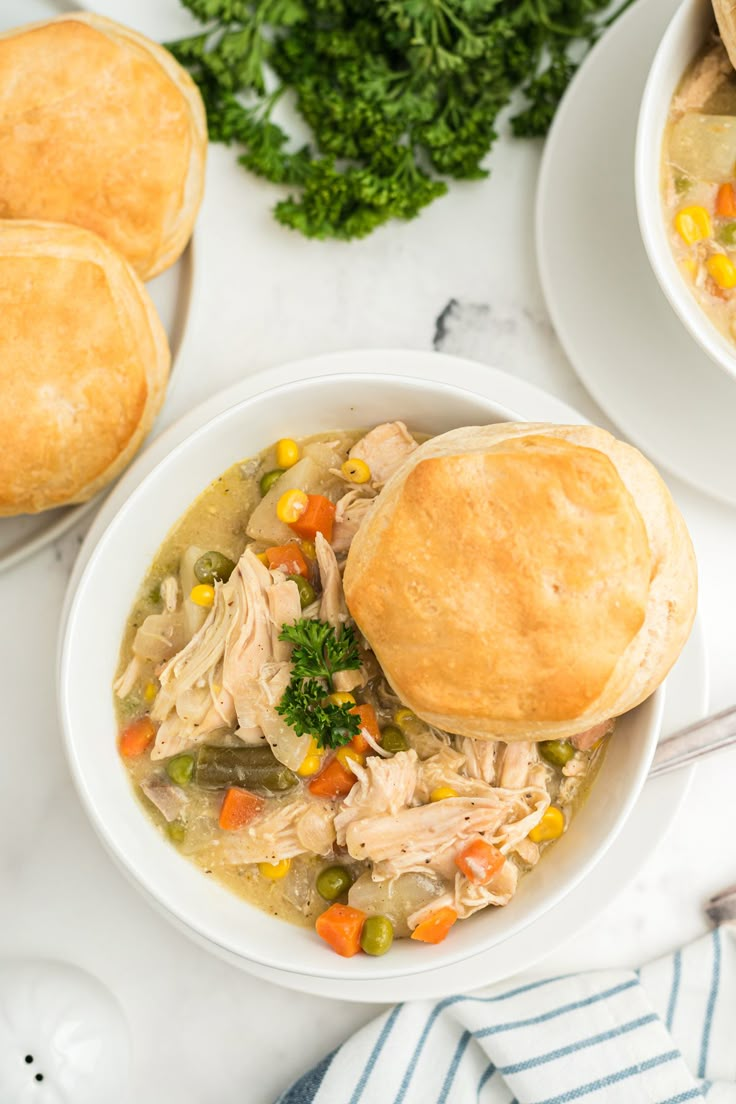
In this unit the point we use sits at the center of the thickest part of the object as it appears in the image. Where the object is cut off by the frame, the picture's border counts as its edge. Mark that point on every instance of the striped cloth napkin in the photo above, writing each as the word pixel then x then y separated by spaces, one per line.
pixel 659 1035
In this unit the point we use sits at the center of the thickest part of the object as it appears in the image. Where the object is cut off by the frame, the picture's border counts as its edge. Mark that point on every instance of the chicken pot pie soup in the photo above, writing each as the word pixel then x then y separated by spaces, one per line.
pixel 266 740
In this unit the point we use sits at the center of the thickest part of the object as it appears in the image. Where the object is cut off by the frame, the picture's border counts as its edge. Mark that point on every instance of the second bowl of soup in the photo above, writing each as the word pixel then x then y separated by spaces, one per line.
pixel 686 178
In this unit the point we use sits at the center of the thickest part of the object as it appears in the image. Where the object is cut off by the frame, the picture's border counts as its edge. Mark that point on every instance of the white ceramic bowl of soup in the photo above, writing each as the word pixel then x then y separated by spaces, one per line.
pixel 685 36
pixel 90 652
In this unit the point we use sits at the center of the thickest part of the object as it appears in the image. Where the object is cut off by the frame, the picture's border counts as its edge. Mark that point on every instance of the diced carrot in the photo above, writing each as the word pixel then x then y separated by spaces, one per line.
pixel 726 201
pixel 369 724
pixel 334 781
pixel 288 556
pixel 479 861
pixel 318 517
pixel 238 808
pixel 137 737
pixel 435 927
pixel 341 926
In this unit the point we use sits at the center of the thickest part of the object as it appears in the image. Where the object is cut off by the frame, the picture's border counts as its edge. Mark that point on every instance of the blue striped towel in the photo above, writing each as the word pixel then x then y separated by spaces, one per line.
pixel 659 1035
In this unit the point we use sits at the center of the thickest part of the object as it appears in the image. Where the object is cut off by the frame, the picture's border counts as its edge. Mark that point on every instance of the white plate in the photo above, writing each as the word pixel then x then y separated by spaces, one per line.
pixel 685 700
pixel 624 340
pixel 171 292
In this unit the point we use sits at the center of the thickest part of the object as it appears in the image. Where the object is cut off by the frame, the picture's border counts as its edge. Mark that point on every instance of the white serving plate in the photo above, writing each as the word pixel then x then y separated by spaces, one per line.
pixel 535 406
pixel 172 293
pixel 621 335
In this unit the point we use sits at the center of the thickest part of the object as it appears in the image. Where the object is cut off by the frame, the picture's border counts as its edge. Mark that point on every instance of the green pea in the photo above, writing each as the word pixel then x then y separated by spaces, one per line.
pixel 177 831
pixel 727 234
pixel 332 882
pixel 393 739
pixel 378 935
pixel 181 769
pixel 682 184
pixel 268 480
pixel 305 588
pixel 212 566
pixel 556 752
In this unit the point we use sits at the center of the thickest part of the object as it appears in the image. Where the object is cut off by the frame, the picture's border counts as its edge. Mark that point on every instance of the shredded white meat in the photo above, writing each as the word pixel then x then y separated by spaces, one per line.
pixel 289 828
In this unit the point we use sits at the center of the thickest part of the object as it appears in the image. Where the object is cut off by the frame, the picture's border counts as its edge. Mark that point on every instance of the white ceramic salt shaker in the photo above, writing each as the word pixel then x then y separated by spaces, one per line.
pixel 63 1036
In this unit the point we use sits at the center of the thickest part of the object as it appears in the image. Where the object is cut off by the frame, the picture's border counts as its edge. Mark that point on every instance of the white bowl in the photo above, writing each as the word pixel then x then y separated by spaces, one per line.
pixel 684 37
pixel 89 655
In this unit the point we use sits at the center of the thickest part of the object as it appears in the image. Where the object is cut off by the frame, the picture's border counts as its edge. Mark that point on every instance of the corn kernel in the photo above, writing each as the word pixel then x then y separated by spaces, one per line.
pixel 262 557
pixel 345 754
pixel 689 266
pixel 310 765
pixel 722 269
pixel 341 698
pixel 309 550
pixel 356 471
pixel 693 224
pixel 550 827
pixel 287 453
pixel 442 793
pixel 274 871
pixel 150 692
pixel 291 506
pixel 202 595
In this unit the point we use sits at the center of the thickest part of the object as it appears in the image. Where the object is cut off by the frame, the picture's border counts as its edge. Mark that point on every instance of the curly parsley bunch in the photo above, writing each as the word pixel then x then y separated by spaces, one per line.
pixel 398 94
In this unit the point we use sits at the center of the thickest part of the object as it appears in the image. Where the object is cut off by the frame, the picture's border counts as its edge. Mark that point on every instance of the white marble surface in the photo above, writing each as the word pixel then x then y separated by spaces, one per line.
pixel 462 278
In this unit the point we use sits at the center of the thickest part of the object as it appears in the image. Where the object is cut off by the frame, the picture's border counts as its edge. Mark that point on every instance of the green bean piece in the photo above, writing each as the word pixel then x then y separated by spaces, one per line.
pixel 213 566
pixel 305 588
pixel 181 769
pixel 254 768
pixel 268 480
pixel 333 882
pixel 176 831
pixel 726 234
pixel 378 935
pixel 393 739
pixel 556 752
pixel 683 184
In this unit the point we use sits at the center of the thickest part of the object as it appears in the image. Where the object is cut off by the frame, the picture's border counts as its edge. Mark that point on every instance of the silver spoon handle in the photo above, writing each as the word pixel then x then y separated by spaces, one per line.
pixel 702 738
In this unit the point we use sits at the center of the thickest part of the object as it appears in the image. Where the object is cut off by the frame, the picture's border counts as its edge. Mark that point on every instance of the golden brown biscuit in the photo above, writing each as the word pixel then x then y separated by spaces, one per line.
pixel 102 128
pixel 523 581
pixel 83 364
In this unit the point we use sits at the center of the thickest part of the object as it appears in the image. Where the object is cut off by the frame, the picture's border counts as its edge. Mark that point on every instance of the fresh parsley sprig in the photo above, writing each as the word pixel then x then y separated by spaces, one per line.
pixel 318 655
pixel 398 94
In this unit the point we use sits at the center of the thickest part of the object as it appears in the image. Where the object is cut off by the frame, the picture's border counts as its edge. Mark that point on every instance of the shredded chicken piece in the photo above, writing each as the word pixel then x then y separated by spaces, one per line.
pixel 528 851
pixel 429 836
pixel 284 607
pixel 384 786
pixel 169 799
pixel 516 761
pixel 710 71
pixel 480 758
pixel 574 772
pixel 228 671
pixel 350 513
pixel 467 898
pixel 124 685
pixel 333 608
pixel 445 768
pixel 585 740
pixel 384 450
pixel 291 828
pixel 170 593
